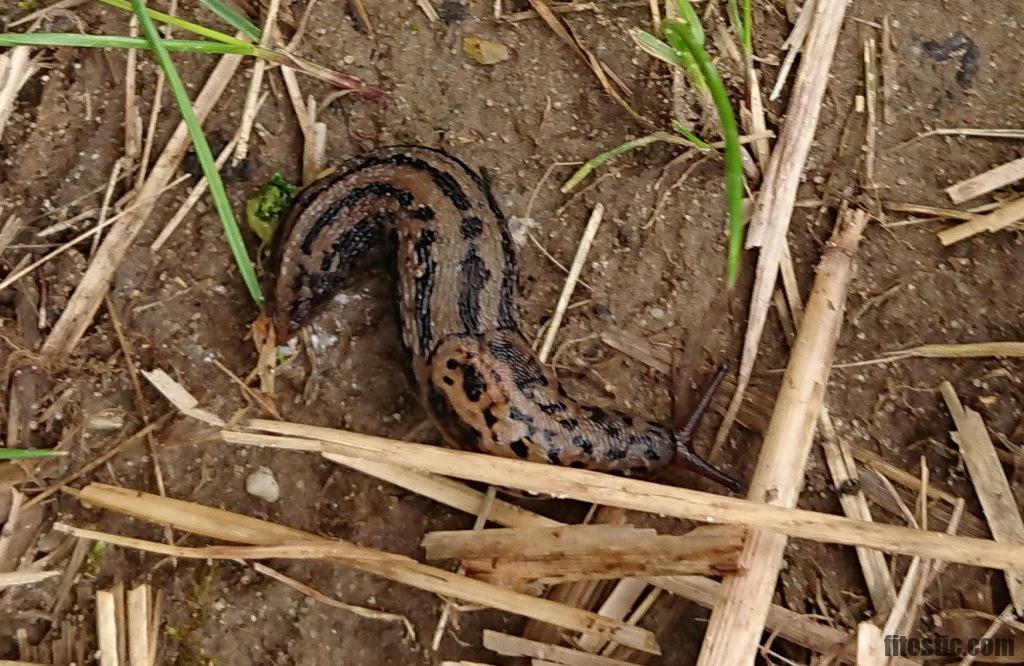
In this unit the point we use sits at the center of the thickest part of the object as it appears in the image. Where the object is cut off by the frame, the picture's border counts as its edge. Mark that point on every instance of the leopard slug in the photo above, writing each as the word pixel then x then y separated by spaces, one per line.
pixel 457 281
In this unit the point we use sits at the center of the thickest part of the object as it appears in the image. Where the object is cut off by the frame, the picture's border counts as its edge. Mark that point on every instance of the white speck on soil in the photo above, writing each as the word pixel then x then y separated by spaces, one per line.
pixel 262 484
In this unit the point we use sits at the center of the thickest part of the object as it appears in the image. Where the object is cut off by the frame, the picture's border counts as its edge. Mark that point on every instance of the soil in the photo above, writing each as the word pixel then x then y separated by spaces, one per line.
pixel 185 308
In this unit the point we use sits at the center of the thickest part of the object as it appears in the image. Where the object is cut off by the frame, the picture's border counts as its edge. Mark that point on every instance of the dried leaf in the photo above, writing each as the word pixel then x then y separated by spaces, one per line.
pixel 483 51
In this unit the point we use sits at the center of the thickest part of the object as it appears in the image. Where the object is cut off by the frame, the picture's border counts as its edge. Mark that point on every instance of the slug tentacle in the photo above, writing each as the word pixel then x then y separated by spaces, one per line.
pixel 477 377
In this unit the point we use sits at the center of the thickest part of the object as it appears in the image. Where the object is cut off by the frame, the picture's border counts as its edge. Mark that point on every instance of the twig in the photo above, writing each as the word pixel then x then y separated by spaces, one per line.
pixel 628 493
pixel 361 611
pixel 559 27
pixel 10 525
pixel 191 200
pixel 88 295
pixel 9 232
pixel 797 628
pixel 841 465
pixel 871 117
pixel 844 470
pixel 18 578
pixel 984 133
pixel 1004 617
pixel 251 106
pixel 15 71
pixel 890 65
pixel 774 207
pixel 904 478
pixel 179 396
pixel 154 113
pixel 108 195
pixel 100 460
pixel 988 181
pixel 794 627
pixel 139 617
pixel 444 490
pixel 106 628
pixel 514 646
pixel 794 42
pixel 429 10
pixel 869 645
pixel 570 283
pixel 225 525
pixel 736 623
pixel 997 220
pixel 140 403
pixel 990 483
pixel 132 119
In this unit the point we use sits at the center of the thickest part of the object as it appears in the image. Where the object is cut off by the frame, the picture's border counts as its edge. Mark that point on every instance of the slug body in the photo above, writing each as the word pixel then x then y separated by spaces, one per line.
pixel 457 281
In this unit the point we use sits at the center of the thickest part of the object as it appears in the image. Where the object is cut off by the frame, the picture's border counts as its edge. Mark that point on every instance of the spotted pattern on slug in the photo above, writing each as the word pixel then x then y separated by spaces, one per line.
pixel 477 378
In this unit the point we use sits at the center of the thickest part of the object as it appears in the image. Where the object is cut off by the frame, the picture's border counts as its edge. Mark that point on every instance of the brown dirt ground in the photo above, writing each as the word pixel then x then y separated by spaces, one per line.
pixel 515 119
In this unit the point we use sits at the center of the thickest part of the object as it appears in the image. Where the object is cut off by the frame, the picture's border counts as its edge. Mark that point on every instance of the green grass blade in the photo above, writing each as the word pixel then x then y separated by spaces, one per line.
pixel 733 161
pixel 748 29
pixel 594 162
pixel 181 23
pixel 697 141
pixel 688 15
pixel 732 9
pixel 669 28
pixel 55 39
pixel 598 160
pixel 236 20
pixel 22 454
pixel 202 149
pixel 656 48
pixel 742 26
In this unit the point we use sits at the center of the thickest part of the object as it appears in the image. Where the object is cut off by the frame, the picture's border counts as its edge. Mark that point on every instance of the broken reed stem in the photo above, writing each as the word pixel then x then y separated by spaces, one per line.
pixel 997 220
pixel 988 181
pixel 570 282
pixel 871 100
pixel 132 118
pixel 516 646
pixel 777 197
pixel 841 465
pixel 595 487
pixel 106 628
pixel 250 109
pixel 737 622
pixel 792 626
pixel 270 541
pixel 139 617
pixel 15 71
pixel 843 469
pixel 990 483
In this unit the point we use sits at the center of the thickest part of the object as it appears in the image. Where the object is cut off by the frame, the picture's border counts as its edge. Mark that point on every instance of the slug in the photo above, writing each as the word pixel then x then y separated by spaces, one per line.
pixel 476 376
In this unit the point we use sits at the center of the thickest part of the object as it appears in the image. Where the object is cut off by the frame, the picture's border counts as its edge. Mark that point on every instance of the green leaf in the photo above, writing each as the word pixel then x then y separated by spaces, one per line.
pixel 264 211
pixel 202 150
pixel 234 18
pixel 21 454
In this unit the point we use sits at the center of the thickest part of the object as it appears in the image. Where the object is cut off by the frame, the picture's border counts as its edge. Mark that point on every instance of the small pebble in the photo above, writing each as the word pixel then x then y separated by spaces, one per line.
pixel 262 484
